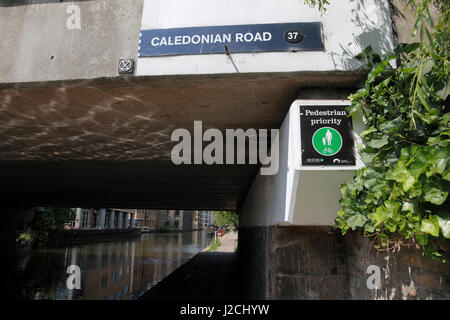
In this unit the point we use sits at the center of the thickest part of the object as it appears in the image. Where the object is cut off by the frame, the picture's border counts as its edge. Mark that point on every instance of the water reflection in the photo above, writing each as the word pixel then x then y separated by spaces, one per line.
pixel 116 270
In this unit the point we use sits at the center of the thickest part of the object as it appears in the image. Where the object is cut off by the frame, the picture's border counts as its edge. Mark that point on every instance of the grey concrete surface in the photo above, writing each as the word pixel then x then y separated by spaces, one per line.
pixel 38 46
pixel 107 141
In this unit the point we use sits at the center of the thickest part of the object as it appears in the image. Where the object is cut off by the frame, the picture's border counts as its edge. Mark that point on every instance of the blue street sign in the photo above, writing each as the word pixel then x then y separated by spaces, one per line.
pixel 306 36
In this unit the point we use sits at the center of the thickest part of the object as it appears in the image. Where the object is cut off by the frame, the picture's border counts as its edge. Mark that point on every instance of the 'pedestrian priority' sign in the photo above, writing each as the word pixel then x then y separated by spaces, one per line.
pixel 326 136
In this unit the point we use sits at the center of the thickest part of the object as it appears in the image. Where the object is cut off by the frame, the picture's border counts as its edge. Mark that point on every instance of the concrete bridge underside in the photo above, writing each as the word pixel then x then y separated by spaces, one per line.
pixel 106 142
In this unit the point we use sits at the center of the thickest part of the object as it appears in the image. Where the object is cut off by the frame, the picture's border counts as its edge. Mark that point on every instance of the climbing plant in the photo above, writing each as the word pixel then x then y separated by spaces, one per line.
pixel 400 198
pixel 225 218
pixel 322 4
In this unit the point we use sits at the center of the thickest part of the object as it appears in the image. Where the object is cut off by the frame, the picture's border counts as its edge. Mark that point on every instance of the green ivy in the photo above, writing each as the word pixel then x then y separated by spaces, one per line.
pixel 322 4
pixel 222 218
pixel 401 196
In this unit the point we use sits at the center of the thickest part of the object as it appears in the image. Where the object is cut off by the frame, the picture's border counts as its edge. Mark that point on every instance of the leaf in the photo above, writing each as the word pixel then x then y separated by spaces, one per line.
pixel 434 194
pixel 352 109
pixel 391 225
pixel 409 182
pixel 378 216
pixel 428 65
pixel 357 220
pixel 439 157
pixel 369 227
pixel 368 157
pixel 431 251
pixel 446 174
pixel 366 132
pixel 444 91
pixel 378 143
pixel 422 98
pixel 402 175
pixel 411 47
pixel 443 218
pixel 430 225
pixel 421 239
pixel 395 124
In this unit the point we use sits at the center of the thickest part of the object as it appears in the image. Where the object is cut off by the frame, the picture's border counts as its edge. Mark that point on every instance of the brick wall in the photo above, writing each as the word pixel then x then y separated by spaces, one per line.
pixel 309 262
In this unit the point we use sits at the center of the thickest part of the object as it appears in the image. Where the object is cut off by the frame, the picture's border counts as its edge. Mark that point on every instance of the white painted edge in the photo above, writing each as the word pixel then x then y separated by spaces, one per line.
pixel 294 154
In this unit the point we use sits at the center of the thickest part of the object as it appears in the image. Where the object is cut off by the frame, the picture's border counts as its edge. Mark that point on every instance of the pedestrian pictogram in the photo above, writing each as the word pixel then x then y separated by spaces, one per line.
pixel 327 141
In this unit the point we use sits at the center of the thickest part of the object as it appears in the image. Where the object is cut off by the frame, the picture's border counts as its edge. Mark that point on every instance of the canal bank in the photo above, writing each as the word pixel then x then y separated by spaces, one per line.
pixel 207 276
pixel 69 237
pixel 228 243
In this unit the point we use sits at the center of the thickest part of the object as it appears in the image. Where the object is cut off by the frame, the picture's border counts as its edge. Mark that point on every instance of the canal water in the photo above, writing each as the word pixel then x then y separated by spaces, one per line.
pixel 110 270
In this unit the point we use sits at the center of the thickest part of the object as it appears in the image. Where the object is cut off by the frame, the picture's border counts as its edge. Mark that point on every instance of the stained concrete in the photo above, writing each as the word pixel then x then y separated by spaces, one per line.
pixel 317 262
pixel 37 45
pixel 107 141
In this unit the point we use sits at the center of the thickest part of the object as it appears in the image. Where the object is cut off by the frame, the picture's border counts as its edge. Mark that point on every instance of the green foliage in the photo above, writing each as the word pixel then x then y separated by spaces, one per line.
pixel 320 3
pixel 422 14
pixel 45 222
pixel 214 245
pixel 225 217
pixel 164 229
pixel 401 196
pixel 25 236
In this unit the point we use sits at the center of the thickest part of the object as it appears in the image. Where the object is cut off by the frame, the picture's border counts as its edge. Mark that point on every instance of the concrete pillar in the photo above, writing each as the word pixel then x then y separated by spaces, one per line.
pixel 181 219
pixel 111 219
pixel 91 218
pixel 171 218
pixel 133 222
pixel 102 218
pixel 195 220
pixel 78 217
pixel 120 221
pixel 127 220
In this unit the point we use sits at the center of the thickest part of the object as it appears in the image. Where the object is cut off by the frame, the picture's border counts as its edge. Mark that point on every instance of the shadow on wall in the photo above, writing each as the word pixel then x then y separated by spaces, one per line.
pixel 14 3
pixel 374 22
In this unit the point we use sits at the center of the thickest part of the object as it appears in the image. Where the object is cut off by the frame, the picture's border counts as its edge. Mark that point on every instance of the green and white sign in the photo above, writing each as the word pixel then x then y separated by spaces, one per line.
pixel 326 136
pixel 327 141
